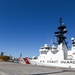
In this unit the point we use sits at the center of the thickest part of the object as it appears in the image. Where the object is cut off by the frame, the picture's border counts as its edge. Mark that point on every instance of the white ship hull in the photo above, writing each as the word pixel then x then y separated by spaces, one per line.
pixel 55 63
pixel 62 63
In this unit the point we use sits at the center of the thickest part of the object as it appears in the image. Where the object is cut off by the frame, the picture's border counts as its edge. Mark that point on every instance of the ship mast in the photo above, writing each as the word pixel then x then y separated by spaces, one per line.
pixel 61 33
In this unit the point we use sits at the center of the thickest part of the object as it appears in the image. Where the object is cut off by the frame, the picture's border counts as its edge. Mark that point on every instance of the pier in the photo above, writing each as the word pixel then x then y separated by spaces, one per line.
pixel 8 68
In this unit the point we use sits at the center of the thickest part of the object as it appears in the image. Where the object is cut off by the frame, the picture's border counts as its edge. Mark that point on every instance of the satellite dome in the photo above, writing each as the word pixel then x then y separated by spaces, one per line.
pixel 72 39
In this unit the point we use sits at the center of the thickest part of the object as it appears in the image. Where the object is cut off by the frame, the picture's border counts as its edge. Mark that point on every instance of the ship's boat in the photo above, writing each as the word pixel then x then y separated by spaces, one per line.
pixel 56 55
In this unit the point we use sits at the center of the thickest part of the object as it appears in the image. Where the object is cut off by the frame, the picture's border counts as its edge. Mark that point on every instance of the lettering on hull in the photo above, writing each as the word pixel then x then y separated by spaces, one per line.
pixel 68 62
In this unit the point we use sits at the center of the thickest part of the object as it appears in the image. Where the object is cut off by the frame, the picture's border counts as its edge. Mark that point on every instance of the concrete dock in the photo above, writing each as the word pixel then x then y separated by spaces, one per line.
pixel 7 68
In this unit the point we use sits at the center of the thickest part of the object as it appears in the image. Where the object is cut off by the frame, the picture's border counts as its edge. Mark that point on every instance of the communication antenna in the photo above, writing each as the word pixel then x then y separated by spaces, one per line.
pixel 60 21
pixel 51 43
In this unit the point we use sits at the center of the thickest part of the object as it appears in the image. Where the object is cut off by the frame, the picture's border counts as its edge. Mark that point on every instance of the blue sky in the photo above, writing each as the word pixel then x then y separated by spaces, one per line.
pixel 26 25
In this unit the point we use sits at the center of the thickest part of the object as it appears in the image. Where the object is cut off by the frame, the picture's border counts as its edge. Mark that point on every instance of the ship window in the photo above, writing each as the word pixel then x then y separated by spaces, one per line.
pixel 40 61
pixel 52 61
pixel 43 52
pixel 74 45
pixel 70 61
pixel 67 61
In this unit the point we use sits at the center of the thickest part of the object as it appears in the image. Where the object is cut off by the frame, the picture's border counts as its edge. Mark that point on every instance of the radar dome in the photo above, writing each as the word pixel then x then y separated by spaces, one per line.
pixel 72 39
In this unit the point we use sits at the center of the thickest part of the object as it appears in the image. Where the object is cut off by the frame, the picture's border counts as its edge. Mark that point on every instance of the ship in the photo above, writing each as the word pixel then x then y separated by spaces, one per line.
pixel 56 55
pixel 4 58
